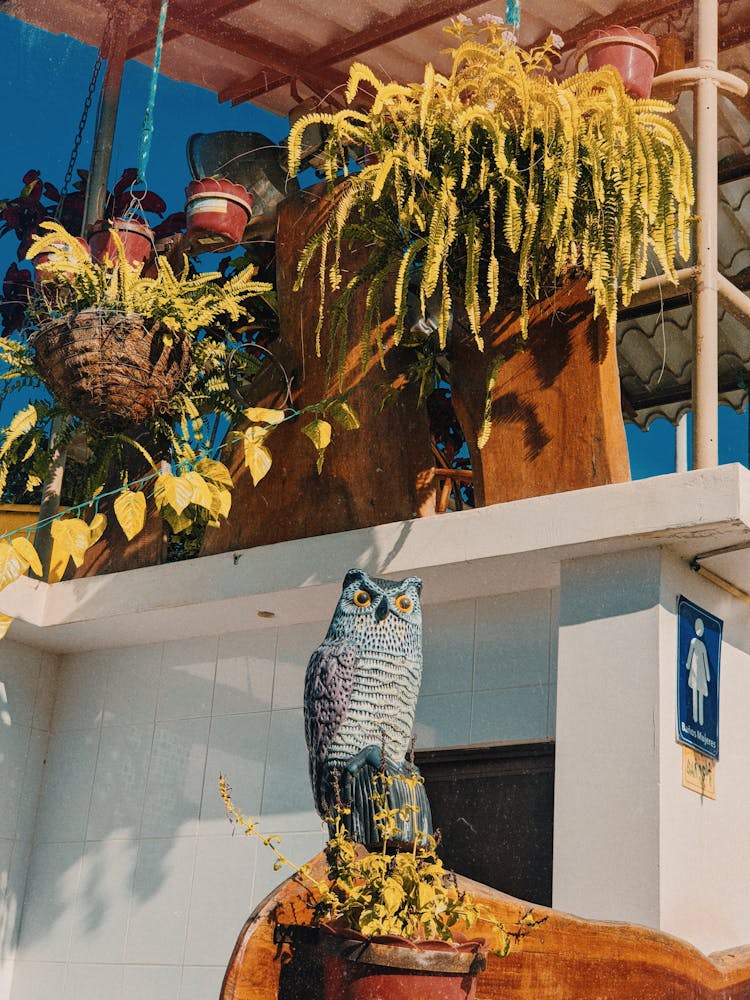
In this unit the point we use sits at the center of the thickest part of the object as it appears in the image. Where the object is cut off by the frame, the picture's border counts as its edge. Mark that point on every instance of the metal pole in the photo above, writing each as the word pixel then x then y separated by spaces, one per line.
pixel 96 192
pixel 681 445
pixel 706 306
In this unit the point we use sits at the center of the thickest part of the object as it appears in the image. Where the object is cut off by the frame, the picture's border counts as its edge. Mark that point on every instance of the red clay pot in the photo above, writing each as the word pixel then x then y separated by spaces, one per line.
pixel 41 275
pixel 358 968
pixel 137 240
pixel 217 212
pixel 632 52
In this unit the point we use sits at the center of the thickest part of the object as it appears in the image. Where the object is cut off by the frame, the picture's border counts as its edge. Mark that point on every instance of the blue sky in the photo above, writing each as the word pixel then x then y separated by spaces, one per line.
pixel 45 78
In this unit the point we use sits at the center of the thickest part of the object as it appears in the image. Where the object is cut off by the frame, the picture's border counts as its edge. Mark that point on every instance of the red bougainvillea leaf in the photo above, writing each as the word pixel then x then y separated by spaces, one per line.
pixel 29 176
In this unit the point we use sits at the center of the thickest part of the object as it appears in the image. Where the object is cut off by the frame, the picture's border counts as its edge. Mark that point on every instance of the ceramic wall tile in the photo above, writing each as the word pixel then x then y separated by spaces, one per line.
pixel 93 982
pixel 238 747
pixel 176 774
pixel 34 980
pixel 244 673
pixel 201 982
pixel 132 684
pixel 119 781
pixel 32 783
pixel 81 685
pixel 46 690
pixel 448 646
pixel 19 675
pixel 223 888
pixel 161 896
pixel 67 784
pixel 154 982
pixel 48 914
pixel 186 685
pixel 14 749
pixel 443 720
pixel 512 640
pixel 510 714
pixel 103 901
pixel 286 788
pixel 292 655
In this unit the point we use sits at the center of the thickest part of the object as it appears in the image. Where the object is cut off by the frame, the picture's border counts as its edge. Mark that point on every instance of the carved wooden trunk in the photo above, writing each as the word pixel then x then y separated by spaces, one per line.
pixel 556 412
pixel 379 473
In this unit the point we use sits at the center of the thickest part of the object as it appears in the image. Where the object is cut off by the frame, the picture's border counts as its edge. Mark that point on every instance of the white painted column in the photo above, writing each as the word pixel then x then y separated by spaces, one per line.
pixel 606 841
pixel 681 445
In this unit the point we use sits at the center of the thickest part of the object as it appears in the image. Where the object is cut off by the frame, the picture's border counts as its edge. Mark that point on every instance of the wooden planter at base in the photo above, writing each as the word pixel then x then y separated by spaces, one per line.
pixel 379 473
pixel 556 414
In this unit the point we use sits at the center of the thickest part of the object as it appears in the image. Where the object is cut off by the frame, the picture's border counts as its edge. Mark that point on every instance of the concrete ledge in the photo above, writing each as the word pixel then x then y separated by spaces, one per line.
pixel 506 547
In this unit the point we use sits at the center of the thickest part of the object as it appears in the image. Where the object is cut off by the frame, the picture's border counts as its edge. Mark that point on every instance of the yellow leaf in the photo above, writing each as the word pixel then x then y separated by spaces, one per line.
pixel 5 621
pixel 261 415
pixel 11 565
pixel 130 511
pixel 344 415
pixel 319 432
pixel 21 423
pixel 177 522
pixel 73 538
pixel 214 472
pixel 27 552
pixel 257 456
pixel 221 501
pixel 201 494
pixel 97 527
pixel 176 491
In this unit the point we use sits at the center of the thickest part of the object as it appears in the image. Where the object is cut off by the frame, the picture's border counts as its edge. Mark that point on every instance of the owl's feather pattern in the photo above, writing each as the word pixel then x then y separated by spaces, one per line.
pixel 328 688
pixel 361 692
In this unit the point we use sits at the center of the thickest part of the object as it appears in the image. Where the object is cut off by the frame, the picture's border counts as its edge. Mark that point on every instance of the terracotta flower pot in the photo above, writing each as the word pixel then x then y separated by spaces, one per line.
pixel 45 277
pixel 632 52
pixel 359 968
pixel 137 240
pixel 217 212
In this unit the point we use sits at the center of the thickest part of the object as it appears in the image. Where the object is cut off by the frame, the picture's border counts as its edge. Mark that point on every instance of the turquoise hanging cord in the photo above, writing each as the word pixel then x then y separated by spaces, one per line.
pixel 147 130
pixel 512 13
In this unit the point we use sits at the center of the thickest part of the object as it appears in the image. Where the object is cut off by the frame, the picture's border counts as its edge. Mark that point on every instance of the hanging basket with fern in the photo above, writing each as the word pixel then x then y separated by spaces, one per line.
pixel 108 368
pixel 112 345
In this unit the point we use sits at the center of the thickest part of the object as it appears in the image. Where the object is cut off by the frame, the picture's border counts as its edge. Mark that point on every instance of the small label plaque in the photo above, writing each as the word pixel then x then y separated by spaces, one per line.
pixel 698 772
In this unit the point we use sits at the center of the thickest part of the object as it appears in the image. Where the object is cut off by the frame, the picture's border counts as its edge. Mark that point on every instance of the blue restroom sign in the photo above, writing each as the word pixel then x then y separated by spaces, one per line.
pixel 698 656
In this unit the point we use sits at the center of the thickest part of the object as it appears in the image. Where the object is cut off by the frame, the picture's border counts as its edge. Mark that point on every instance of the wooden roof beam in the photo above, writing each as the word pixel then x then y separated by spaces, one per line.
pixel 413 19
pixel 144 40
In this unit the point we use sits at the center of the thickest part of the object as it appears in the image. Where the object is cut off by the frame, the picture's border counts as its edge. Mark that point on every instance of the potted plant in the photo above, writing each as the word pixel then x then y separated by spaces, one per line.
pixel 632 52
pixel 217 212
pixel 392 919
pixel 495 188
pixel 111 344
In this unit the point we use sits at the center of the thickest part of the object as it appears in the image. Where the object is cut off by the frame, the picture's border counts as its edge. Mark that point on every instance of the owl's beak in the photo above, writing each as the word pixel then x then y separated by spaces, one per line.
pixel 381 610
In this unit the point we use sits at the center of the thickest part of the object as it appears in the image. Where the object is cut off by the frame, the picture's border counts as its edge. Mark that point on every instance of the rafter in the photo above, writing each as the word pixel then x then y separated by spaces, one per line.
pixel 253 48
pixel 376 34
pixel 143 40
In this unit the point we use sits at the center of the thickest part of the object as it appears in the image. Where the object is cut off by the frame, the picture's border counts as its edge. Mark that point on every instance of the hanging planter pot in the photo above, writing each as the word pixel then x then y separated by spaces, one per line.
pixel 360 968
pixel 44 277
pixel 632 52
pixel 217 212
pixel 137 240
pixel 107 368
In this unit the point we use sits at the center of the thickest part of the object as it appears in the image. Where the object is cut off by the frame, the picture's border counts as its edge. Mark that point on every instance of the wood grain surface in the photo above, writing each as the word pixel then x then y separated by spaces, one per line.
pixel 560 957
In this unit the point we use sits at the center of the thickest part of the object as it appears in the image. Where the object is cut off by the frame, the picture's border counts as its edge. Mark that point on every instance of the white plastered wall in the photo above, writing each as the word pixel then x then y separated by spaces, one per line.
pixel 27 687
pixel 136 885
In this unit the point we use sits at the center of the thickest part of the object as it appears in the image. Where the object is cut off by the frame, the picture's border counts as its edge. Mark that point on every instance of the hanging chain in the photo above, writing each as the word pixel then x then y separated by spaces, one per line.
pixel 84 118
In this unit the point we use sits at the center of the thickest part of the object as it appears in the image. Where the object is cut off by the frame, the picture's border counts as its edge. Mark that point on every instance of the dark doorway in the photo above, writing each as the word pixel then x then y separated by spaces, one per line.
pixel 494 808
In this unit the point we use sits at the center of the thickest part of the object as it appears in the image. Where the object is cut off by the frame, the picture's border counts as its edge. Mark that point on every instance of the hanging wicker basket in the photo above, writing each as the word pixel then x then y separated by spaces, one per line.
pixel 107 368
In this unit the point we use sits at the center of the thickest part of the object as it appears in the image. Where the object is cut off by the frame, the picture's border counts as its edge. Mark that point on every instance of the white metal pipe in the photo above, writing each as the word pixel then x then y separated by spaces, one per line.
pixel 734 299
pixel 660 288
pixel 706 306
pixel 690 74
pixel 681 445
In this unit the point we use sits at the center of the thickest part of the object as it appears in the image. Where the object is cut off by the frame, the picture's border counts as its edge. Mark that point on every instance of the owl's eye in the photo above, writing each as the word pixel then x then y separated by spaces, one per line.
pixel 362 599
pixel 404 603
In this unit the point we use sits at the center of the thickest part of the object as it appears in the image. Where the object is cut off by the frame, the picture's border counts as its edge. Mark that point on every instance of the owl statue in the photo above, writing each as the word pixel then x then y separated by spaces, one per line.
pixel 361 691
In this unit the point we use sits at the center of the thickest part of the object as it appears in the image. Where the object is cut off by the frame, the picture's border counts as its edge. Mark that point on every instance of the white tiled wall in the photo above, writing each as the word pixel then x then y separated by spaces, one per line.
pixel 137 886
pixel 27 688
